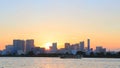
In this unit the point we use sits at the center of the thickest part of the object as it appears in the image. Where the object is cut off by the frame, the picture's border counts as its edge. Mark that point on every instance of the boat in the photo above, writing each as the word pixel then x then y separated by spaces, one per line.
pixel 71 56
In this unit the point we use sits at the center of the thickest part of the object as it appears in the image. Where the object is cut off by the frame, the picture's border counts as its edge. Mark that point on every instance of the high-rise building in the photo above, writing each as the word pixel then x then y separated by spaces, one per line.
pixel 29 45
pixel 88 44
pixel 53 48
pixel 76 46
pixel 82 46
pixel 19 45
pixel 67 46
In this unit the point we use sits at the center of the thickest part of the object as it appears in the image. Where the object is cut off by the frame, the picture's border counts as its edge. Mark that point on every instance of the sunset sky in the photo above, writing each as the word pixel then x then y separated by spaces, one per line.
pixel 61 21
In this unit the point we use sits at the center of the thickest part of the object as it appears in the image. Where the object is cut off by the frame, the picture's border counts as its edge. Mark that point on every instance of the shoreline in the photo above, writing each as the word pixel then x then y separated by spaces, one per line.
pixel 57 56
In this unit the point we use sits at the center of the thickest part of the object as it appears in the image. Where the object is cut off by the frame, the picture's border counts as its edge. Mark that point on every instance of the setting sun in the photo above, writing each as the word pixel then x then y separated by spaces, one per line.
pixel 47 45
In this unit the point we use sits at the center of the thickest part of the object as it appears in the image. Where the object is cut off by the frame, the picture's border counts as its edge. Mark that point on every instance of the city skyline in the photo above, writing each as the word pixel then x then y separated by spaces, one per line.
pixel 25 47
pixel 28 44
pixel 61 21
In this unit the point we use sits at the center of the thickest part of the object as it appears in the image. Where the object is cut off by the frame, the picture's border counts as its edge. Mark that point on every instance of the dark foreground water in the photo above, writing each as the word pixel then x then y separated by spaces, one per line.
pixel 38 62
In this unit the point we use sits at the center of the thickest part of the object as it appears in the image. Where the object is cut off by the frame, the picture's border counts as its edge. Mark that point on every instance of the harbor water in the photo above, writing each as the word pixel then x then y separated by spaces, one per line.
pixel 46 62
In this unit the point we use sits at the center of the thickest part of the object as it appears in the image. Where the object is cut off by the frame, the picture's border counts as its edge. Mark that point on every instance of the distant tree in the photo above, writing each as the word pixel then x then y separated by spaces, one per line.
pixel 67 53
pixel 108 54
pixel 30 53
pixel 79 53
pixel 22 54
pixel 118 54
pixel 101 54
pixel 92 54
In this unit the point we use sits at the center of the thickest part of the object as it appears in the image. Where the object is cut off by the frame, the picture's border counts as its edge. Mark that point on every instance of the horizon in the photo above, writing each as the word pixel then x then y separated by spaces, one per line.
pixel 48 45
pixel 61 21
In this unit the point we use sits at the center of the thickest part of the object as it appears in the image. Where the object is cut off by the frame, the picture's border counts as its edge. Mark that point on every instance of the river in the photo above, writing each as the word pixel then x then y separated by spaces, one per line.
pixel 46 62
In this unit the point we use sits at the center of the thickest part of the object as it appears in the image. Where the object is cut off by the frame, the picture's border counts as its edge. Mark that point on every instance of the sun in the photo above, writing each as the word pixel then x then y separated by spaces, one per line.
pixel 47 45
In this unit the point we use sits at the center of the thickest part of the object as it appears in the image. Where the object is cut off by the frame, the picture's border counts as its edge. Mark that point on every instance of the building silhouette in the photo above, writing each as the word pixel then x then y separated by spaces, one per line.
pixel 82 46
pixel 100 49
pixel 19 45
pixel 29 45
pixel 53 48
pixel 88 44
pixel 67 46
pixel 9 49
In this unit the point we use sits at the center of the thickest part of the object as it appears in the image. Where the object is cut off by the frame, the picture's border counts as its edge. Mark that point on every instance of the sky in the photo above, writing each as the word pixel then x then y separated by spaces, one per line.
pixel 61 21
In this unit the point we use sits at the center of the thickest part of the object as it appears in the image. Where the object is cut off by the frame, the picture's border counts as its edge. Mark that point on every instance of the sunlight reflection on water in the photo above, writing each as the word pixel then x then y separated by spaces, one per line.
pixel 38 62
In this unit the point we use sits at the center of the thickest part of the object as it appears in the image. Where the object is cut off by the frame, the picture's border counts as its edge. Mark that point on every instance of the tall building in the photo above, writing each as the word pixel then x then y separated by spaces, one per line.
pixel 19 45
pixel 29 45
pixel 76 46
pixel 82 46
pixel 53 48
pixel 67 46
pixel 88 44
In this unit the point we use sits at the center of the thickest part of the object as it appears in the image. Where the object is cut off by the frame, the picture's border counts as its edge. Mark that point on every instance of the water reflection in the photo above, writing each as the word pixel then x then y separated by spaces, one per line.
pixel 52 63
pixel 38 62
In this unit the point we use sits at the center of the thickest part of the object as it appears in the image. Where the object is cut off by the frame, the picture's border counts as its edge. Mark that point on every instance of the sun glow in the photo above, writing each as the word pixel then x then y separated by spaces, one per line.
pixel 47 45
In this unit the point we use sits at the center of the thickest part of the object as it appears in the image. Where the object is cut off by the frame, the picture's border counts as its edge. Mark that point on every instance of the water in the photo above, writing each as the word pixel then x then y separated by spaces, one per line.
pixel 39 62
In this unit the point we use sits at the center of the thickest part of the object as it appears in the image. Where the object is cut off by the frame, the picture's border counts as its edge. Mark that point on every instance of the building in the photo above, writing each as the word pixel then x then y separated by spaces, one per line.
pixel 62 51
pixel 38 50
pixel 100 49
pixel 88 44
pixel 53 48
pixel 82 46
pixel 75 47
pixel 19 45
pixel 29 45
pixel 9 49
pixel 0 52
pixel 67 46
pixel 88 51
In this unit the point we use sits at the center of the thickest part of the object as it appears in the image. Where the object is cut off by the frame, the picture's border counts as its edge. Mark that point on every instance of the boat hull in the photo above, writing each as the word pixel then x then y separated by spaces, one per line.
pixel 71 56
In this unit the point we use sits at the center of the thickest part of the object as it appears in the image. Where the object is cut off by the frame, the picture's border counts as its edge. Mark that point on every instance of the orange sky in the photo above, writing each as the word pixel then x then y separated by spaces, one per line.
pixel 104 40
pixel 61 21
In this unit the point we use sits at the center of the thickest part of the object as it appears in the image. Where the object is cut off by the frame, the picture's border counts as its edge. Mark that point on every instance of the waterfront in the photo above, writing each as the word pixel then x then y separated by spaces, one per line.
pixel 41 62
